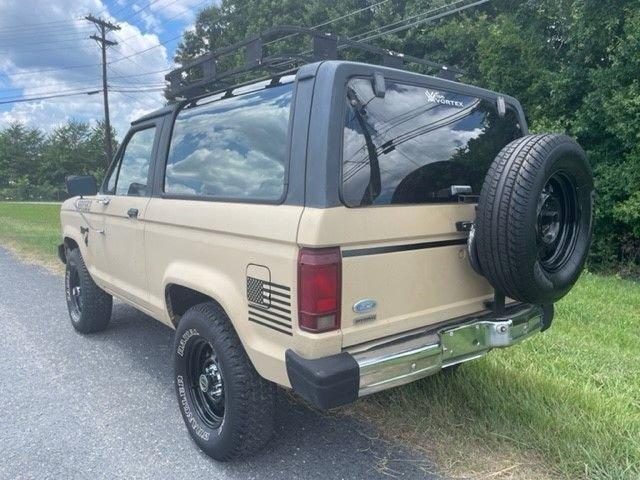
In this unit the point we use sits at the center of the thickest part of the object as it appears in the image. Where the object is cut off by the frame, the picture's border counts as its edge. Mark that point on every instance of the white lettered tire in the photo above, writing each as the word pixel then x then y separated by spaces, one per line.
pixel 227 407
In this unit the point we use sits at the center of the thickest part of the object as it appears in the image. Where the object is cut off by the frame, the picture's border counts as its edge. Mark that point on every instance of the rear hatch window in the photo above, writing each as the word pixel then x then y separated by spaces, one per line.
pixel 419 145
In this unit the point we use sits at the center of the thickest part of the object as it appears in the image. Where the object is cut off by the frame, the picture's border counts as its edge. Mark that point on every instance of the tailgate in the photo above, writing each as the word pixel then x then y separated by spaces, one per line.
pixel 409 260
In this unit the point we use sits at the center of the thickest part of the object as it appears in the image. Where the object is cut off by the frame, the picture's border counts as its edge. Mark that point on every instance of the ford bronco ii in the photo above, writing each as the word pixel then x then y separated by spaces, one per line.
pixel 338 230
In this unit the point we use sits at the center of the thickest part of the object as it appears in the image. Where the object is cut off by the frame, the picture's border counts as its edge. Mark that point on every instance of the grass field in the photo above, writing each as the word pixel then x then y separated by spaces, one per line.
pixel 32 230
pixel 565 404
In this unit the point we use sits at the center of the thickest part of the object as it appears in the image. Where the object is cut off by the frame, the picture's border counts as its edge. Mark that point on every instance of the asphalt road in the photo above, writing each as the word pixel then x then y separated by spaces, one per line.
pixel 103 405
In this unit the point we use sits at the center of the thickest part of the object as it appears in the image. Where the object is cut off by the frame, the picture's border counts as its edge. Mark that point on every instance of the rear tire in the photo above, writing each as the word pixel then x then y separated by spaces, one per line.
pixel 533 227
pixel 228 408
pixel 89 306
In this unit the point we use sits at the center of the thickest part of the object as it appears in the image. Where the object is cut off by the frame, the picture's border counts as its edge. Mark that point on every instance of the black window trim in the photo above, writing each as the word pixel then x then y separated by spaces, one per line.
pixel 162 164
pixel 117 159
pixel 490 97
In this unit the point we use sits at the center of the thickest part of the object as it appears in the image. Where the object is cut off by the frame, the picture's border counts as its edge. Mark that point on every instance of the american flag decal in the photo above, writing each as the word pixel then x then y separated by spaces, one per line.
pixel 269 305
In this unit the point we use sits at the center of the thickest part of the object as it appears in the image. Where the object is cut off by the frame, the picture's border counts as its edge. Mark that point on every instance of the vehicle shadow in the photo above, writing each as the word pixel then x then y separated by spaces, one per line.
pixel 307 443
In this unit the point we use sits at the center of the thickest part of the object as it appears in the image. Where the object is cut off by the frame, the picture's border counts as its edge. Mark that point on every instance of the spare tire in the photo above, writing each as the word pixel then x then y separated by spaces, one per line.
pixel 533 226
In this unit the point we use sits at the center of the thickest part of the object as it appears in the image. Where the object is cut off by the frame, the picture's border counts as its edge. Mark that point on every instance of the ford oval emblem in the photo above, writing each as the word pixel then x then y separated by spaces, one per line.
pixel 364 306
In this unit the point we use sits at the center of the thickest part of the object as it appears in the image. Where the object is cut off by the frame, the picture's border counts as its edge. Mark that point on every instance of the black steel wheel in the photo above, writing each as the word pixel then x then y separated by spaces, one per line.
pixel 74 292
pixel 558 221
pixel 227 407
pixel 89 306
pixel 205 383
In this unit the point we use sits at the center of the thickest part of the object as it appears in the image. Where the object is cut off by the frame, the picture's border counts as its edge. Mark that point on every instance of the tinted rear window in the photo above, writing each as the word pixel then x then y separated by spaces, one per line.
pixel 233 148
pixel 423 141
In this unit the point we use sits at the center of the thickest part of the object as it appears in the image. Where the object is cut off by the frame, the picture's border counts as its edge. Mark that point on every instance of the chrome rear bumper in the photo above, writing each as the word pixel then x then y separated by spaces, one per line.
pixel 424 353
pixel 328 382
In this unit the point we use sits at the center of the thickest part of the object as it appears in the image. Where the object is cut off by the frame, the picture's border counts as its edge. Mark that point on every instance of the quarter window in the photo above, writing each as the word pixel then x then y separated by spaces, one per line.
pixel 233 148
pixel 134 166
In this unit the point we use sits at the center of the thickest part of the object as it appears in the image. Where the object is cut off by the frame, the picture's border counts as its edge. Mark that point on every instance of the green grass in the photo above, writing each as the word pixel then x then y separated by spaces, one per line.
pixel 565 403
pixel 31 230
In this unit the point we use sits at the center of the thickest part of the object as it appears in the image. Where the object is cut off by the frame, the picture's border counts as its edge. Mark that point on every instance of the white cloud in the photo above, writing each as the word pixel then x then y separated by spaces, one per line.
pixel 67 60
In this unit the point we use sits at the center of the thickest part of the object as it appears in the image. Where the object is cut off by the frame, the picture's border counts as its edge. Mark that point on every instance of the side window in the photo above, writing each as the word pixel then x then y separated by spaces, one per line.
pixel 231 148
pixel 134 166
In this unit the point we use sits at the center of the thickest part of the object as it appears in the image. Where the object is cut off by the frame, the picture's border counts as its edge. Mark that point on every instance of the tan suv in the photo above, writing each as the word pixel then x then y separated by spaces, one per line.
pixel 338 231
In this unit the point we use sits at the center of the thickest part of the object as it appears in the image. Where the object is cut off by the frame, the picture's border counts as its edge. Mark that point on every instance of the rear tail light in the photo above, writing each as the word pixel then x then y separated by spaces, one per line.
pixel 319 287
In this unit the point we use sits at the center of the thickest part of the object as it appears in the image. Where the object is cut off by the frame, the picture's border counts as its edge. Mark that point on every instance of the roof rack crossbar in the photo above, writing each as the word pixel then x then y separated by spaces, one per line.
pixel 203 73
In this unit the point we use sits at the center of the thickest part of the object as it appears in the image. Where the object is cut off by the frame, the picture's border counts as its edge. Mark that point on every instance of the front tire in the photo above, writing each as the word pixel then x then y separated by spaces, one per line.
pixel 228 408
pixel 89 306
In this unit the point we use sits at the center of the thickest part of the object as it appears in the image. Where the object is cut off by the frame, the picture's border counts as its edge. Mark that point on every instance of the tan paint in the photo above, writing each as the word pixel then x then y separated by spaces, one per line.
pixel 208 246
pixel 412 288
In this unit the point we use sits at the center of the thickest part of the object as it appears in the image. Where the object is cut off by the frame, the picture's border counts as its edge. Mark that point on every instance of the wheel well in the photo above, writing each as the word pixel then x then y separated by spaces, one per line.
pixel 70 243
pixel 180 299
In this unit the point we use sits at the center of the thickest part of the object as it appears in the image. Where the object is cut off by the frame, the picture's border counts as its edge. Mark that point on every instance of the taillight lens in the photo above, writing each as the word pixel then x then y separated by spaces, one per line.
pixel 319 287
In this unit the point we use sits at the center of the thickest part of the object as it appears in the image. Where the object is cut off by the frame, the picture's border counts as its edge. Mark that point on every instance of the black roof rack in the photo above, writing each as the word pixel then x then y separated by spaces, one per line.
pixel 202 74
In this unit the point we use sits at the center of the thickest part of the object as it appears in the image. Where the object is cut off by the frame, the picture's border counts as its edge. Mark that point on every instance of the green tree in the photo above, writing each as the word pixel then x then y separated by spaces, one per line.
pixel 34 165
pixel 20 150
pixel 73 148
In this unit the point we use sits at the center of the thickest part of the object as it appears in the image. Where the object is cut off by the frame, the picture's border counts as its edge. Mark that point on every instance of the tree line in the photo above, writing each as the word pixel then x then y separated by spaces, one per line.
pixel 573 64
pixel 34 164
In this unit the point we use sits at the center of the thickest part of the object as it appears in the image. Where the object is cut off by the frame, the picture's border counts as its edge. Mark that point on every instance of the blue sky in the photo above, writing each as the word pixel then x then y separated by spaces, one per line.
pixel 45 49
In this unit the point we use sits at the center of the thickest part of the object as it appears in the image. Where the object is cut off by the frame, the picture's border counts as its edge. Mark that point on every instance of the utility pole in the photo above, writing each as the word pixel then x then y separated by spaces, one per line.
pixel 104 27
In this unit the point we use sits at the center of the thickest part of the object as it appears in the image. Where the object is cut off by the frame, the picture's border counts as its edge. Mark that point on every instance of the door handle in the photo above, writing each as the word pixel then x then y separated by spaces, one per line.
pixel 132 212
pixel 104 201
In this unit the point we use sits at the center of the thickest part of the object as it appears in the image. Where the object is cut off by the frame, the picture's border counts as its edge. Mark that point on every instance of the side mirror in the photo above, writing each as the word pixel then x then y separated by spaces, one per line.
pixel 81 185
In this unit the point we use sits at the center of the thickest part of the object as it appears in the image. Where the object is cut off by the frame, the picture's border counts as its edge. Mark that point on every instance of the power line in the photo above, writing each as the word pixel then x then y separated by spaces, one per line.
pixel 51 89
pixel 343 46
pixel 425 20
pixel 405 19
pixel 47 42
pixel 37 26
pixel 129 58
pixel 68 67
pixel 333 20
pixel 34 99
pixel 179 36
pixel 136 12
pixel 68 86
pixel 150 106
pixel 165 20
pixel 143 74
pixel 116 12
pixel 134 80
pixel 354 12
pixel 111 62
pixel 87 82
pixel 14 37
pixel 146 49
pixel 39 50
pixel 138 90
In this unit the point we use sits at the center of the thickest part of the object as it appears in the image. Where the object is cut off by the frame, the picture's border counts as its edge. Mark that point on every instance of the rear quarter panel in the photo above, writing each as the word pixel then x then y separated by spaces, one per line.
pixel 208 246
